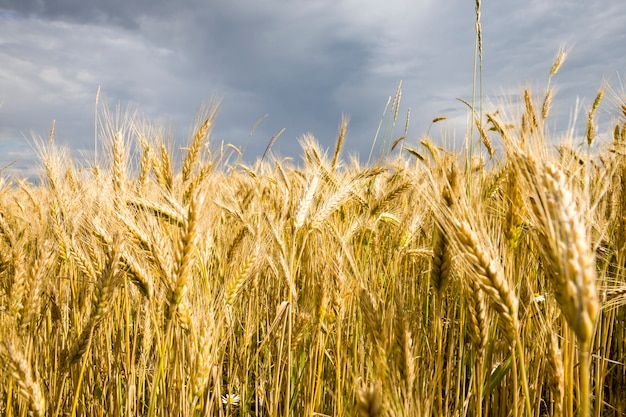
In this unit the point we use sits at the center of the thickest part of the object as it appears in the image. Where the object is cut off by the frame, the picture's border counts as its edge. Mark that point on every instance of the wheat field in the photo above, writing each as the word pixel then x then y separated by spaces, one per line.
pixel 183 282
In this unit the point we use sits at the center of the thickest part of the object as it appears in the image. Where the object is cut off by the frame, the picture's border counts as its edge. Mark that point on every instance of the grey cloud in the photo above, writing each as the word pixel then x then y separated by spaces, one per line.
pixel 303 62
pixel 116 12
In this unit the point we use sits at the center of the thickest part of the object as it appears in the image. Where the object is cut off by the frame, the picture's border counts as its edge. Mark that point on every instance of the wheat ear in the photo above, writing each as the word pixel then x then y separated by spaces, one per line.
pixel 196 144
pixel 343 127
pixel 590 124
pixel 237 283
pixel 186 246
pixel 490 275
pixel 23 373
pixel 39 272
pixel 119 170
pixel 305 203
pixel 369 402
pixel 441 265
pixel 530 112
pixel 547 103
pixel 18 287
pixel 164 169
pixel 478 316
pixel 332 204
pixel 556 377
pixel 485 138
pixel 145 164
pixel 563 236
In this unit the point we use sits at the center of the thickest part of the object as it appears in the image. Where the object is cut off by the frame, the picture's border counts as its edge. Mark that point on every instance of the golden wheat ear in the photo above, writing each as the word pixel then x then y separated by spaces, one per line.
pixel 23 373
pixel 369 402
pixel 559 225
pixel 556 374
pixel 202 130
pixel 489 274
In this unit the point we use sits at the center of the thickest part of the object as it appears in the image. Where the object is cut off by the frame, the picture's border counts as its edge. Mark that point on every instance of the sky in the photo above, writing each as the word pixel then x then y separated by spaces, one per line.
pixel 303 63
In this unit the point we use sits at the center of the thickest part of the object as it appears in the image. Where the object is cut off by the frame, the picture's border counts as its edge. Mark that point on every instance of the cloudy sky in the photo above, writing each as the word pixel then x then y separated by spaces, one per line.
pixel 303 62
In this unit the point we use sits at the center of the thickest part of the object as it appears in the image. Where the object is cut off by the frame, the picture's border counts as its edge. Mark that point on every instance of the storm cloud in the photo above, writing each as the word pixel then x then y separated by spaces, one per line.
pixel 302 62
